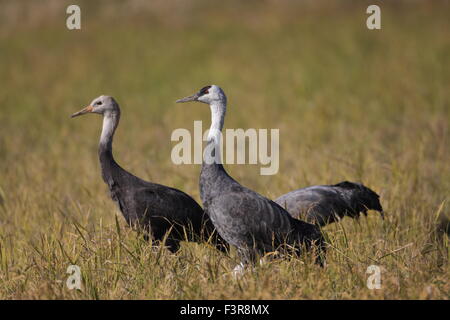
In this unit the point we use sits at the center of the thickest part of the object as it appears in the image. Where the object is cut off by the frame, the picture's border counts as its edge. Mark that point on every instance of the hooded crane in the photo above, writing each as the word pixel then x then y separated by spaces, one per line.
pixel 326 204
pixel 157 210
pixel 247 220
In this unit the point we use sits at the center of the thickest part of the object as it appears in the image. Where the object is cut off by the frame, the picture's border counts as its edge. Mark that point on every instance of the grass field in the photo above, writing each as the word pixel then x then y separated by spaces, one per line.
pixel 350 103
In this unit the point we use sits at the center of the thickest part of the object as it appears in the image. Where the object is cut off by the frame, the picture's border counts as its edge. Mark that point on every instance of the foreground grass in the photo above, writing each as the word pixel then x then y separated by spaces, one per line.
pixel 350 104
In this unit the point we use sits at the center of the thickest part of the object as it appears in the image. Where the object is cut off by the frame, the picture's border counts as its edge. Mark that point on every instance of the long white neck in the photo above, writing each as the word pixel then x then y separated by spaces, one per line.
pixel 110 122
pixel 108 165
pixel 212 152
pixel 218 110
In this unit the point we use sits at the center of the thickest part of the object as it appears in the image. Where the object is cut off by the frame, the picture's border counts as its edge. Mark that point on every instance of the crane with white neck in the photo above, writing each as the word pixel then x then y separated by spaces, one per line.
pixel 247 220
pixel 159 211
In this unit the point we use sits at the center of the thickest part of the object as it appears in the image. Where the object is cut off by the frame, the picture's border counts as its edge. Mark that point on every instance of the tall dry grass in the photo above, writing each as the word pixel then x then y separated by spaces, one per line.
pixel 350 103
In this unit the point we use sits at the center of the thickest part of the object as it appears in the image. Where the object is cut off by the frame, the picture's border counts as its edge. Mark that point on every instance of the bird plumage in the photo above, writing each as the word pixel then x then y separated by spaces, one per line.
pixel 244 218
pixel 326 204
pixel 249 221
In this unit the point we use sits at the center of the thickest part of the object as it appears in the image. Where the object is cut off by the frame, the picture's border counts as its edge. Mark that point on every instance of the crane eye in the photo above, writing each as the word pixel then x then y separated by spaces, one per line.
pixel 205 90
pixel 98 103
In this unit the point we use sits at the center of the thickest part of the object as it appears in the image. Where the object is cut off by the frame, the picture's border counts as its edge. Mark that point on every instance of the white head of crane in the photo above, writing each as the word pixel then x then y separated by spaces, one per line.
pixel 109 108
pixel 209 95
pixel 217 100
pixel 100 105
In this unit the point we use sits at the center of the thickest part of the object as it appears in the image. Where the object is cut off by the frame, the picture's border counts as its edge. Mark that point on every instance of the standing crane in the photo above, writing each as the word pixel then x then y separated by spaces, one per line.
pixel 326 204
pixel 161 212
pixel 247 220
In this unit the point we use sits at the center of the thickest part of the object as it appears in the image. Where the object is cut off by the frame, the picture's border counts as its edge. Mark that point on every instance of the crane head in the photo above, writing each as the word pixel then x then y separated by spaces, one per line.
pixel 100 105
pixel 208 95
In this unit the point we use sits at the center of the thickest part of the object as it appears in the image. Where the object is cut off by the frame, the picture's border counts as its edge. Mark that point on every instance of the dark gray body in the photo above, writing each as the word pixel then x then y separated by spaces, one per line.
pixel 157 209
pixel 249 221
pixel 330 203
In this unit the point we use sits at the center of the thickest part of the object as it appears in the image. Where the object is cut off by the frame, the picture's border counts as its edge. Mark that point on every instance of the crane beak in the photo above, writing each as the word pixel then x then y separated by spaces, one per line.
pixel 83 111
pixel 194 97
